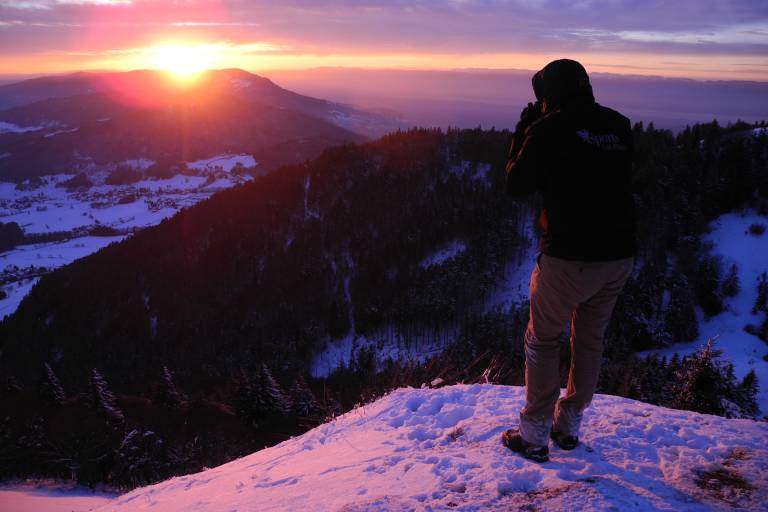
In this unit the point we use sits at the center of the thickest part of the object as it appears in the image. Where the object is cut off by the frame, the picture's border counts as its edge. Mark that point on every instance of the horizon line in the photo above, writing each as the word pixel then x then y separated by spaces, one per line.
pixel 8 78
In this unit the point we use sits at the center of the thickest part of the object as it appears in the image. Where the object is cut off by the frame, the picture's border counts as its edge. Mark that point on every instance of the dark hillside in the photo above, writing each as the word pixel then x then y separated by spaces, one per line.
pixel 186 129
pixel 257 273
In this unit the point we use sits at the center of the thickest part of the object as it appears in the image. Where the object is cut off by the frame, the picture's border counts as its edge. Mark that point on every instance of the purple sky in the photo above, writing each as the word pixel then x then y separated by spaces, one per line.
pixel 697 38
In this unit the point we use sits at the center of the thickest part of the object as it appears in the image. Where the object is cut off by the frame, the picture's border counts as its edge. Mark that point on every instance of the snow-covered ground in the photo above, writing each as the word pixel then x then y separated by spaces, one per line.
pixel 55 254
pixel 50 497
pixel 439 449
pixel 732 240
pixel 145 203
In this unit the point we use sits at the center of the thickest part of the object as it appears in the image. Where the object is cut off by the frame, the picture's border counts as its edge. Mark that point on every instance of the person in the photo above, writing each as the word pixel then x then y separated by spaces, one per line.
pixel 577 155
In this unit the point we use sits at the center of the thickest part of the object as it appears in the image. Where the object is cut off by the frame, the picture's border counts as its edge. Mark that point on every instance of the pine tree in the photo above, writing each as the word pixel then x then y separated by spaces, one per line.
pixel 706 284
pixel 761 302
pixel 168 394
pixel 260 397
pixel 746 395
pixel 272 397
pixel 303 401
pixel 102 399
pixel 245 400
pixel 140 459
pixel 731 286
pixel 51 388
pixel 704 384
pixel 680 320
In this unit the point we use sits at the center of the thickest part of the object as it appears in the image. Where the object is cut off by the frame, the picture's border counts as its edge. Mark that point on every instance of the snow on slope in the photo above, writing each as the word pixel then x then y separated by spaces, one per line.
pixel 225 162
pixel 733 242
pixel 55 254
pixel 439 449
pixel 13 128
pixel 444 254
pixel 15 291
pixel 50 497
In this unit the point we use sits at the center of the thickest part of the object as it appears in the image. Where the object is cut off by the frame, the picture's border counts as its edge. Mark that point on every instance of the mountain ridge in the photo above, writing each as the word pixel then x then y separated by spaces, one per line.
pixel 82 122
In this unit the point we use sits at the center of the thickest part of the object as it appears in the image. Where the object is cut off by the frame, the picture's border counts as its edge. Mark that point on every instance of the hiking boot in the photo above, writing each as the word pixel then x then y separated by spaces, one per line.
pixel 515 442
pixel 564 441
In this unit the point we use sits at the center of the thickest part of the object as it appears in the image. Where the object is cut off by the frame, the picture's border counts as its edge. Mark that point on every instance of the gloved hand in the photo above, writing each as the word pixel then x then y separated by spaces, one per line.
pixel 528 116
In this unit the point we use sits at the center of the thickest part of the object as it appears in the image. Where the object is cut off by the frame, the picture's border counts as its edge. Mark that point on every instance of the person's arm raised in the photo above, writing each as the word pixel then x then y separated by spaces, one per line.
pixel 521 161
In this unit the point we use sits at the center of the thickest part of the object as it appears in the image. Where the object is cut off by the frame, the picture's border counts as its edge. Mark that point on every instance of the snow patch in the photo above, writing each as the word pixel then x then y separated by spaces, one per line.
pixel 224 162
pixel 477 171
pixel 140 164
pixel 14 128
pixel 385 345
pixel 57 132
pixel 444 254
pixel 239 83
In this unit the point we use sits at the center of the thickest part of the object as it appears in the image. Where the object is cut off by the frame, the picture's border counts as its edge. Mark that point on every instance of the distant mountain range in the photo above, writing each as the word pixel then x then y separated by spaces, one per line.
pixel 467 98
pixel 84 121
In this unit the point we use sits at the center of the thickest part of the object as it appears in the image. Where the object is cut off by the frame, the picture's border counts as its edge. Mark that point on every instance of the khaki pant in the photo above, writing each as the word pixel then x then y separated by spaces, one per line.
pixel 561 290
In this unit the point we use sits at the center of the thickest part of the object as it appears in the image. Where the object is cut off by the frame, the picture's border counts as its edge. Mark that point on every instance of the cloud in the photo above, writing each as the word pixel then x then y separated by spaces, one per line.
pixel 441 27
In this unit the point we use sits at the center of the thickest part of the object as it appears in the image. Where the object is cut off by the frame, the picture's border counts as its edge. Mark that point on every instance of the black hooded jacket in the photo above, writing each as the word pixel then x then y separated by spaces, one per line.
pixel 577 155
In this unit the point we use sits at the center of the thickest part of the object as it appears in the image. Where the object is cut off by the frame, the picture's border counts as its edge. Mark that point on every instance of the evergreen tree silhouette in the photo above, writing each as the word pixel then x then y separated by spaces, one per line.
pixel 168 394
pixel 50 388
pixel 680 320
pixel 731 285
pixel 303 402
pixel 746 395
pixel 102 399
pixel 273 399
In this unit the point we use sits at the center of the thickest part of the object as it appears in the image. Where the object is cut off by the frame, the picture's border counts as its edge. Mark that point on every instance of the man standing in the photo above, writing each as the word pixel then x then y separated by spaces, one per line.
pixel 577 155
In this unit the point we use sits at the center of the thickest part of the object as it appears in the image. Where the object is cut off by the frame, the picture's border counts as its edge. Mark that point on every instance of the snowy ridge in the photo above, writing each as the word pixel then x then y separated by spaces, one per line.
pixel 439 449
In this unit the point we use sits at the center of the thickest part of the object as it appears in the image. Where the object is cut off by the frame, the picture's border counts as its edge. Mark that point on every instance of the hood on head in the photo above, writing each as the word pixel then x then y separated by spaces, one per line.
pixel 560 82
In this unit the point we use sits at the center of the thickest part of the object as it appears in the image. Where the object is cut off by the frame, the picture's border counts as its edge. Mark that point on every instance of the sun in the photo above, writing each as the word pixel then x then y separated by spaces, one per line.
pixel 185 61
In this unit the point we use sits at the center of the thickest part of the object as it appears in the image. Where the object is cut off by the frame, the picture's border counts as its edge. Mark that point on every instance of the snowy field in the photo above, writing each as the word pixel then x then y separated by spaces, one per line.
pixel 735 244
pixel 51 207
pixel 48 207
pixel 439 449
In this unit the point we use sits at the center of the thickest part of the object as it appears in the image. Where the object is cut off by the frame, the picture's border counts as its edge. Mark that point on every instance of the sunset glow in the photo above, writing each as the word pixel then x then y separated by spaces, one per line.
pixel 689 38
pixel 184 61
